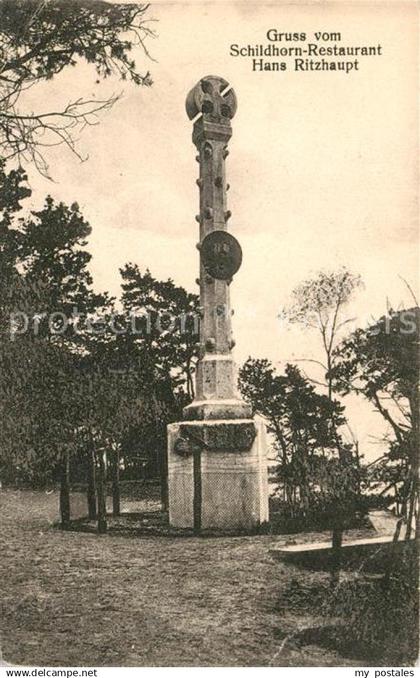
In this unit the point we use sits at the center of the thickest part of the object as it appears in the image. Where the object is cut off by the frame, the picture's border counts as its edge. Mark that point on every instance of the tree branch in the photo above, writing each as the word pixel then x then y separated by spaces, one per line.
pixel 385 413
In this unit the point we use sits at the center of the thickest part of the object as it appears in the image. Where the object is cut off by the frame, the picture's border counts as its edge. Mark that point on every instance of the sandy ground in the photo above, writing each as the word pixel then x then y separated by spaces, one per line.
pixel 77 599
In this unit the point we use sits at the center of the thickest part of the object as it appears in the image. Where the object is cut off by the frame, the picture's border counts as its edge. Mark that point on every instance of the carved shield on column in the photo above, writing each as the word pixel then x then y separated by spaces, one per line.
pixel 221 255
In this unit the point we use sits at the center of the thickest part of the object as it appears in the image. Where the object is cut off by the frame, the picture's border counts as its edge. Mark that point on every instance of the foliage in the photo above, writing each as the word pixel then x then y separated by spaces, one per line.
pixel 163 321
pixel 362 618
pixel 40 38
pixel 159 342
pixel 380 621
pixel 49 291
pixel 36 410
pixel 381 363
pixel 13 189
pixel 309 476
pixel 98 381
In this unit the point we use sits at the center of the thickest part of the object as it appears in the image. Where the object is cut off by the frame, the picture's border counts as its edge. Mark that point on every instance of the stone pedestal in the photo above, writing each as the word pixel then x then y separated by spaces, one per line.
pixel 217 472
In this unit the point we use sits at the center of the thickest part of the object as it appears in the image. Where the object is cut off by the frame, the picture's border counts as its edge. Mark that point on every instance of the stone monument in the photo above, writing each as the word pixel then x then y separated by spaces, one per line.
pixel 217 466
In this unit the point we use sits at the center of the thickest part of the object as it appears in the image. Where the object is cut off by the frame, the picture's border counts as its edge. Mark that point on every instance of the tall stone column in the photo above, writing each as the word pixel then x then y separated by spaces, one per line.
pixel 217 469
pixel 216 390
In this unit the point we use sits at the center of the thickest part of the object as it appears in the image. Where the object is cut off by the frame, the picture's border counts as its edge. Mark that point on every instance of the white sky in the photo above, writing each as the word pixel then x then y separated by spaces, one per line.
pixel 322 166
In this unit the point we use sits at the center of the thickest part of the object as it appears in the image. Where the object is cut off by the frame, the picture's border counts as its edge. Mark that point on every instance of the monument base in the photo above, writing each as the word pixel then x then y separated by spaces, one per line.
pixel 217 474
pixel 219 409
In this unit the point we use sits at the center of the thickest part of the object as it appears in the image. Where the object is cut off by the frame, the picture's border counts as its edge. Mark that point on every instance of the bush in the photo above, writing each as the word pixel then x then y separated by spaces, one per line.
pixel 380 619
pixel 283 520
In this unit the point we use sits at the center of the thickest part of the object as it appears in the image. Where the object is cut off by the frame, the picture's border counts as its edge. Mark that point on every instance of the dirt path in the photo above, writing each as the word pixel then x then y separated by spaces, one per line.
pixel 78 599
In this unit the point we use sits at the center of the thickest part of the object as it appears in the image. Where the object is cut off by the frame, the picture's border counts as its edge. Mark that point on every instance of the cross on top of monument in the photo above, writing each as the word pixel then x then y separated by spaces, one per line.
pixel 212 99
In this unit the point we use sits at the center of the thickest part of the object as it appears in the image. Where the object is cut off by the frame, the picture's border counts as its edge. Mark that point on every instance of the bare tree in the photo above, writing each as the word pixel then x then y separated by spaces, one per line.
pixel 40 38
pixel 317 304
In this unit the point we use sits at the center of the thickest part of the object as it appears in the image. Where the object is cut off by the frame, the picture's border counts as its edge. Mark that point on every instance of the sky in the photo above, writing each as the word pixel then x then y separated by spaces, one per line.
pixel 322 166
